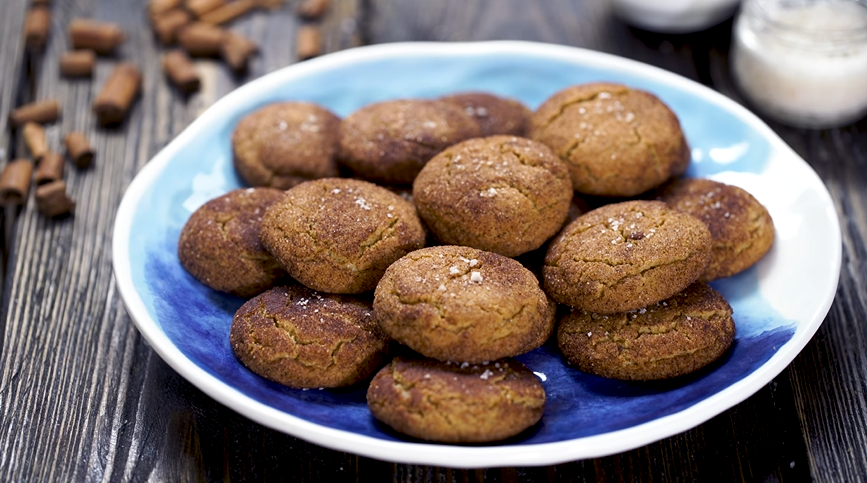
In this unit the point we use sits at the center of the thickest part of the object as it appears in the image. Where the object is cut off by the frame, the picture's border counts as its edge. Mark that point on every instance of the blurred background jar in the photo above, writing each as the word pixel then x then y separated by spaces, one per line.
pixel 674 16
pixel 803 62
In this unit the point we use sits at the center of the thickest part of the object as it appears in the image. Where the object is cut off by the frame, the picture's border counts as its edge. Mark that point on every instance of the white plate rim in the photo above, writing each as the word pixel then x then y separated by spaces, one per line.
pixel 441 454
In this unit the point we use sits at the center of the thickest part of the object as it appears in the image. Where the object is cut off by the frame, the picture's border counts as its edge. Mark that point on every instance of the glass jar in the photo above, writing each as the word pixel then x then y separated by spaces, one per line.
pixel 803 62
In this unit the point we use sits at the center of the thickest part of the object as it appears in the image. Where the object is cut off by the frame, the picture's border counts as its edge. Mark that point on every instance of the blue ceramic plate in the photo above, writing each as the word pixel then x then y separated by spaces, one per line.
pixel 586 416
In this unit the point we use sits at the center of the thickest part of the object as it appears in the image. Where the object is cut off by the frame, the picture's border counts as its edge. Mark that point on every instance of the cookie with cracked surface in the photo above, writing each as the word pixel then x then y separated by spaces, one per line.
pixel 740 226
pixel 286 143
pixel 668 339
pixel 503 194
pixel 617 141
pixel 461 304
pixel 338 235
pixel 494 114
pixel 625 256
pixel 302 338
pixel 456 403
pixel 391 141
pixel 219 244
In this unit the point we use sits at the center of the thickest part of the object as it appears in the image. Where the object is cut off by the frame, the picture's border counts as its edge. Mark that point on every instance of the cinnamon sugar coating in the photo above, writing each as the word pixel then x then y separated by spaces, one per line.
pixel 301 338
pixel 671 338
pixel 740 226
pixel 391 141
pixel 219 244
pixel 494 114
pixel 456 403
pixel 460 304
pixel 617 141
pixel 339 235
pixel 503 194
pixel 286 143
pixel 625 256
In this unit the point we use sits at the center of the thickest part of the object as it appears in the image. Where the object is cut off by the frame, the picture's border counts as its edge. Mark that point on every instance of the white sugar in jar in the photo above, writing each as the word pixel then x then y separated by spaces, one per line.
pixel 803 62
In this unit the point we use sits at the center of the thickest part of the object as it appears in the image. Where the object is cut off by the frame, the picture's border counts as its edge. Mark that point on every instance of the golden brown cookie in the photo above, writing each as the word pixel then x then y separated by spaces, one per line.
pixel 286 143
pixel 460 304
pixel 494 114
pixel 741 228
pixel 391 141
pixel 339 235
pixel 503 194
pixel 667 339
pixel 302 338
pixel 219 244
pixel 625 256
pixel 456 403
pixel 616 140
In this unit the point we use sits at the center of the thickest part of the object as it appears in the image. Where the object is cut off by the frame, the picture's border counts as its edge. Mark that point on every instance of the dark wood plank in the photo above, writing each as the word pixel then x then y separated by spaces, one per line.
pixel 12 71
pixel 82 395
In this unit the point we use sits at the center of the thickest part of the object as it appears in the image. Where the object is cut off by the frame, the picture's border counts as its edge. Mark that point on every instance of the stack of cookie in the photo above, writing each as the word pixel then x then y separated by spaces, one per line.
pixel 464 217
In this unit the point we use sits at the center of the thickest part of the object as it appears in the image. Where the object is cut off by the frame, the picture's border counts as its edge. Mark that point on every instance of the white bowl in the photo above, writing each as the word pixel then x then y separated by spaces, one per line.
pixel 674 16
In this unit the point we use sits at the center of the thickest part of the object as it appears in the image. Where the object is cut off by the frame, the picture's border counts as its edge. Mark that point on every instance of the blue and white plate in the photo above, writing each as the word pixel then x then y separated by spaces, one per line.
pixel 586 416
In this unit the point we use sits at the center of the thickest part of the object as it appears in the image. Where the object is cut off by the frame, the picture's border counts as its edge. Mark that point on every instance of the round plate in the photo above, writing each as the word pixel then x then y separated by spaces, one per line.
pixel 776 313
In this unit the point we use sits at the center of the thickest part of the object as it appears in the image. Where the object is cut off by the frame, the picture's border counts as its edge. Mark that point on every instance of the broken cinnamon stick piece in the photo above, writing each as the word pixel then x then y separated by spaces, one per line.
pixel 117 95
pixel 201 7
pixel 312 9
pixel 167 25
pixel 15 182
pixel 37 25
pixel 236 50
pixel 41 111
pixel 180 70
pixel 101 37
pixel 309 42
pixel 159 7
pixel 78 149
pixel 228 12
pixel 201 39
pixel 52 200
pixel 34 138
pixel 50 168
pixel 78 63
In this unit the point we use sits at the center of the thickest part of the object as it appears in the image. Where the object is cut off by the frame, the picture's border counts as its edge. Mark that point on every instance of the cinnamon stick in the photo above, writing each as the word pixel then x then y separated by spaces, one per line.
pixel 78 63
pixel 117 94
pixel 34 138
pixel 15 182
pixel 50 168
pixel 180 70
pixel 52 200
pixel 101 37
pixel 37 25
pixel 78 149
pixel 41 111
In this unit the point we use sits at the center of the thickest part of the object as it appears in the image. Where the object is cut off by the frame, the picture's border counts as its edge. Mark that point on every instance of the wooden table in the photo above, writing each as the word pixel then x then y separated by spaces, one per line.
pixel 84 398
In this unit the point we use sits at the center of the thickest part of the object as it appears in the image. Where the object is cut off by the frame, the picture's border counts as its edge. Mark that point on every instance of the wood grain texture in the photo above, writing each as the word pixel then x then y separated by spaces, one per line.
pixel 84 398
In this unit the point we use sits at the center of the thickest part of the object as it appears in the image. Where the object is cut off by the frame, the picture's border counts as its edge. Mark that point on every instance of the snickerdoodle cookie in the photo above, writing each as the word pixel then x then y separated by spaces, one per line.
pixel 667 339
pixel 503 194
pixel 461 304
pixel 494 114
pixel 219 244
pixel 625 256
pixel 302 338
pixel 285 143
pixel 339 235
pixel 391 141
pixel 616 140
pixel 456 403
pixel 741 228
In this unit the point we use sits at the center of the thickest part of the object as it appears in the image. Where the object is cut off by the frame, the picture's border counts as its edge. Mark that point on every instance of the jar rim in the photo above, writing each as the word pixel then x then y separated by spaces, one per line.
pixel 854 32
